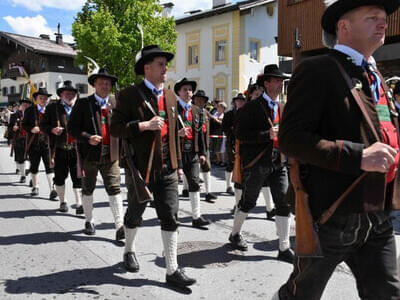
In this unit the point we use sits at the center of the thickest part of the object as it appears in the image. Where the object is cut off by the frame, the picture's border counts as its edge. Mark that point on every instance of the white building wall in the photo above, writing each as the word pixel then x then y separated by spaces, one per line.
pixel 263 27
pixel 206 71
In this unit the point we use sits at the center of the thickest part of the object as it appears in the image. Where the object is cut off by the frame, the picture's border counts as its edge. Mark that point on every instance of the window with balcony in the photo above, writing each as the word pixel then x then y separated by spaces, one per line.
pixel 12 90
pixel 5 91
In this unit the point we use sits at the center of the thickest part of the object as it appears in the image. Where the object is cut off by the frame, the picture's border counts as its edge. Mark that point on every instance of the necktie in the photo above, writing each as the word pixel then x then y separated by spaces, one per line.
pixel 374 80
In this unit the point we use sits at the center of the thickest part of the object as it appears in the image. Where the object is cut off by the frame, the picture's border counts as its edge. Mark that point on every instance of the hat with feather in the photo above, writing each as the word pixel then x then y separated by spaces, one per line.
pixel 335 9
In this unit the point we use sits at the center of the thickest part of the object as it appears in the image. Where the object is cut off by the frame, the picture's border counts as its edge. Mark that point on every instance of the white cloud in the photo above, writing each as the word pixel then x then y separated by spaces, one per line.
pixel 182 6
pixel 37 5
pixel 34 26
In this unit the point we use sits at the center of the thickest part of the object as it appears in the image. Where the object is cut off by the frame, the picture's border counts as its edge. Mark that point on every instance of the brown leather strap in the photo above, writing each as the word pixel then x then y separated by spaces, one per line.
pixel 358 99
pixel 331 210
pixel 256 159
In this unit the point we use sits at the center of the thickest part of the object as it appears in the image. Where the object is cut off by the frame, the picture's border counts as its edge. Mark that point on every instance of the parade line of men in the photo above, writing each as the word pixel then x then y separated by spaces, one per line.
pixel 157 135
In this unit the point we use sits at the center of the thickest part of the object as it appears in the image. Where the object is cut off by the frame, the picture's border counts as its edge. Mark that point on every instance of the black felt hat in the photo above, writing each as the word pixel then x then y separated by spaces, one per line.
pixel 25 100
pixel 239 96
pixel 41 91
pixel 103 74
pixel 271 71
pixel 202 94
pixel 67 86
pixel 147 54
pixel 396 89
pixel 183 82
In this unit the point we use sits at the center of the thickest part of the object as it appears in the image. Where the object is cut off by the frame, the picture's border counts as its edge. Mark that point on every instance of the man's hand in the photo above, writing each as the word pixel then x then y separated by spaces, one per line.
pixel 57 130
pixel 156 123
pixel 273 132
pixel 35 129
pixel 15 128
pixel 378 158
pixel 180 172
pixel 202 159
pixel 183 131
pixel 94 140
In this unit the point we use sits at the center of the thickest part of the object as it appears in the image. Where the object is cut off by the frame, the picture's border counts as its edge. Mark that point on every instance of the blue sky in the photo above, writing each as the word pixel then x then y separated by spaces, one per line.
pixel 34 17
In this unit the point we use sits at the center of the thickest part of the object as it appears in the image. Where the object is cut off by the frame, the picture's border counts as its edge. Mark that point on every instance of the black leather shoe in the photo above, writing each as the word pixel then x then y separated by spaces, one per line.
pixel 238 241
pixel 185 193
pixel 79 210
pixel 271 215
pixel 17 171
pixel 53 195
pixel 35 191
pixel 120 234
pixel 89 228
pixel 286 256
pixel 200 222
pixel 130 262
pixel 63 207
pixel 22 179
pixel 180 279
pixel 210 198
pixel 230 191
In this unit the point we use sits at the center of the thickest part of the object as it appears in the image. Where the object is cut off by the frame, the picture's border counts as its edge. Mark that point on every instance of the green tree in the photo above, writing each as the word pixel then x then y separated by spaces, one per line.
pixel 107 31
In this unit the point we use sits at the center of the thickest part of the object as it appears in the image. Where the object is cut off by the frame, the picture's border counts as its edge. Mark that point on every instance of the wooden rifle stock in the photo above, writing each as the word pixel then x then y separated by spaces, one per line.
pixel 150 163
pixel 307 241
pixel 237 172
pixel 142 192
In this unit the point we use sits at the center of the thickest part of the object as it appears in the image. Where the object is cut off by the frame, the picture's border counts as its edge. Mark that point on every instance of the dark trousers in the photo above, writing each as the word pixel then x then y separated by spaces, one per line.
pixel 365 242
pixel 164 186
pixel 19 150
pixel 64 163
pixel 230 156
pixel 39 151
pixel 253 180
pixel 191 168
pixel 110 172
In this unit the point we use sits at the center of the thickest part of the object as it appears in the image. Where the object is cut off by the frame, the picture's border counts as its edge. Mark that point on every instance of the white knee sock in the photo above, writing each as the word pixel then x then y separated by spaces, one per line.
pixel 50 180
pixel 228 179
pixel 60 189
pixel 21 168
pixel 238 196
pixel 170 242
pixel 35 180
pixel 130 235
pixel 282 230
pixel 117 209
pixel 238 221
pixel 78 196
pixel 185 182
pixel 269 204
pixel 195 202
pixel 206 179
pixel 87 202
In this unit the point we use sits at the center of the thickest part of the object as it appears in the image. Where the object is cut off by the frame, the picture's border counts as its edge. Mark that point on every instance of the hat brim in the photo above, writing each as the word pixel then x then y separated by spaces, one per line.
pixel 25 100
pixel 239 98
pixel 199 96
pixel 92 78
pixel 178 86
pixel 44 94
pixel 262 77
pixel 334 12
pixel 139 65
pixel 62 89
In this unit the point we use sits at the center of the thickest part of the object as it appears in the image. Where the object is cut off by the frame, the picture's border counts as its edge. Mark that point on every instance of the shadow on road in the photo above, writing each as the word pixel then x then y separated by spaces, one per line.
pixel 82 281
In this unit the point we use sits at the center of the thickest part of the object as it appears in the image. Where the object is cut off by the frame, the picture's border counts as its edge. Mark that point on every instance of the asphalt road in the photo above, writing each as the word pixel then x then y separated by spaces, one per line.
pixel 45 255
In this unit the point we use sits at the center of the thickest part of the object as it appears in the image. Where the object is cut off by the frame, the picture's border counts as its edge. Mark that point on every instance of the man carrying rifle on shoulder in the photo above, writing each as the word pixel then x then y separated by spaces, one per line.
pixel 256 130
pixel 339 122
pixel 89 124
pixel 37 146
pixel 62 145
pixel 146 117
